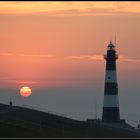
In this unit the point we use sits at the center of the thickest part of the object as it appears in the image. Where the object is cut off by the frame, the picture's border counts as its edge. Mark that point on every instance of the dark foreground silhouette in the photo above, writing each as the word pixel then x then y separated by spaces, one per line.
pixel 19 122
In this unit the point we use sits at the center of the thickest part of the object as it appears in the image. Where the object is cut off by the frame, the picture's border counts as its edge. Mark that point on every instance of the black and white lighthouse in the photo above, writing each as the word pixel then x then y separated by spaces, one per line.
pixel 111 111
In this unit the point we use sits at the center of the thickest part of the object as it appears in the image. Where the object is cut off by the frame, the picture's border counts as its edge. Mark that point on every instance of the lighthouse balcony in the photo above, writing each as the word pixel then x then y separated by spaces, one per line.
pixel 117 56
pixel 105 56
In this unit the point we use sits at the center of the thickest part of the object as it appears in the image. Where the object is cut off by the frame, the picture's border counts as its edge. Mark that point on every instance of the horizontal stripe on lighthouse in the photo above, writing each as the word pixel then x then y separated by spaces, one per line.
pixel 111 76
pixel 111 89
pixel 111 101
pixel 111 65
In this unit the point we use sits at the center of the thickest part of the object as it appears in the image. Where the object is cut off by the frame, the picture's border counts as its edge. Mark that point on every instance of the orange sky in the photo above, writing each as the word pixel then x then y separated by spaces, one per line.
pixel 37 43
pixel 55 43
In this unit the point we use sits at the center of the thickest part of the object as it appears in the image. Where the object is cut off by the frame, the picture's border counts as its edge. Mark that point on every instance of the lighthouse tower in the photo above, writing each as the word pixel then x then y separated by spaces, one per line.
pixel 111 111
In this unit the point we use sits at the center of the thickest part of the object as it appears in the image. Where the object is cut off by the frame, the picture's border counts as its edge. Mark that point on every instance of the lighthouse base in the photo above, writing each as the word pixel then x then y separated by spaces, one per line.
pixel 111 114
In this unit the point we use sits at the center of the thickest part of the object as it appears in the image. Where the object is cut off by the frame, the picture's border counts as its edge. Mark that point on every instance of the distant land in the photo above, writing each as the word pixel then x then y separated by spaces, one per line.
pixel 21 122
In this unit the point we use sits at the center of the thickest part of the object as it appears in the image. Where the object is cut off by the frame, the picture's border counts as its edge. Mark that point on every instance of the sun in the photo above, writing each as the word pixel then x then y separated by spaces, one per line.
pixel 25 91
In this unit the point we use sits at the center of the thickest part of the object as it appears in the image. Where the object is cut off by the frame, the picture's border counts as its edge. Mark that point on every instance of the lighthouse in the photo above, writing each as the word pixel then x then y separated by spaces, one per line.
pixel 111 111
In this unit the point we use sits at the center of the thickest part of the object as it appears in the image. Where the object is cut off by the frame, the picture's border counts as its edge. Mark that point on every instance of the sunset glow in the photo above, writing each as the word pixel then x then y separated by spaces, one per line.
pixel 25 91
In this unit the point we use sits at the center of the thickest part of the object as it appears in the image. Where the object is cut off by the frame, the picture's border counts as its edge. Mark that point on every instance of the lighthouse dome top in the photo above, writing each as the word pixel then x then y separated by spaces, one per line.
pixel 111 46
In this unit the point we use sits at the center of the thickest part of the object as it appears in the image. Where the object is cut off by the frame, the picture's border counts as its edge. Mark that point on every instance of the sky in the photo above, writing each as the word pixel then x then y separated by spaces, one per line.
pixel 57 48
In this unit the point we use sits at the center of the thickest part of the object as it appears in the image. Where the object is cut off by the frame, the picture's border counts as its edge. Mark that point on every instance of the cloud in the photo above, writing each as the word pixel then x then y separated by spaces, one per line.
pixel 69 8
pixel 28 55
pixel 27 82
pixel 100 58
pixel 124 58
pixel 20 82
pixel 36 55
pixel 86 57
pixel 73 57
